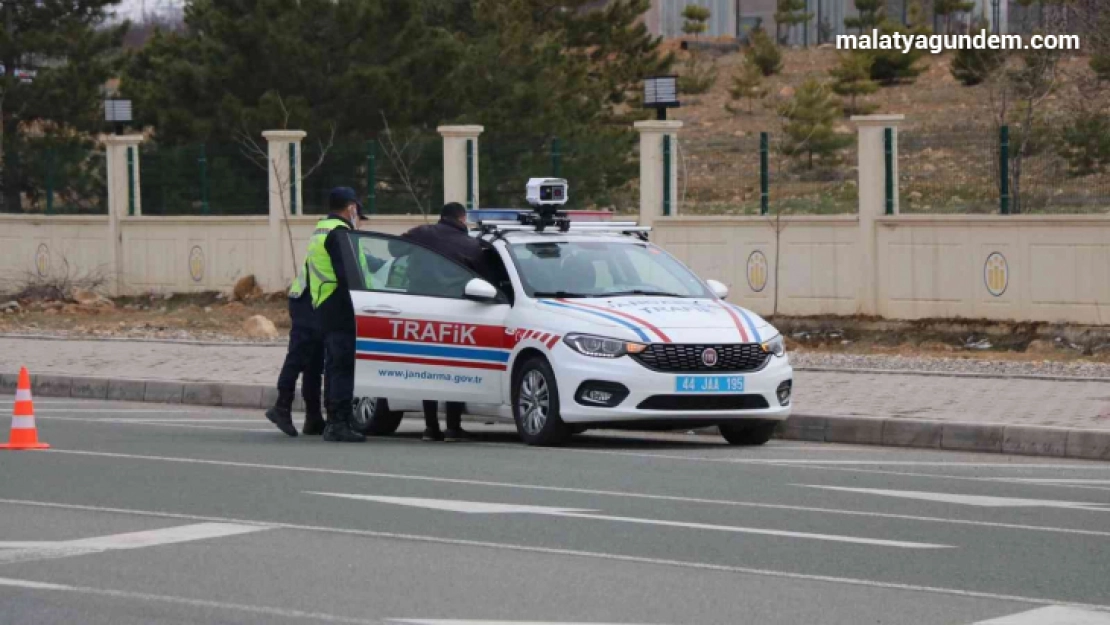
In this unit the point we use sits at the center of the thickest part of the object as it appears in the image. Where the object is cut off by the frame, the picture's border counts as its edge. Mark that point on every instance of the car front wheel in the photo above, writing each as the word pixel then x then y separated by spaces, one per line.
pixel 536 404
pixel 747 432
pixel 373 416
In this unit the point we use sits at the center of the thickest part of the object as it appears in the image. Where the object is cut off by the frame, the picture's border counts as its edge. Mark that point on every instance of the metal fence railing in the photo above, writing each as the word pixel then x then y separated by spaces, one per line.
pixel 48 177
pixel 402 176
pixel 202 179
pixel 948 171
pixel 731 177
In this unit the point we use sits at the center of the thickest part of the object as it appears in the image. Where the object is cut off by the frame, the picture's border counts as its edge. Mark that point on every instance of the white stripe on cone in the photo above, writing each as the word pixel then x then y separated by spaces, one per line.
pixel 23 395
pixel 23 423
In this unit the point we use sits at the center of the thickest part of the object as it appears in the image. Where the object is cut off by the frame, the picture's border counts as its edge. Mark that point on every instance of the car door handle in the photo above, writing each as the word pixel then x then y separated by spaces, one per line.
pixel 380 310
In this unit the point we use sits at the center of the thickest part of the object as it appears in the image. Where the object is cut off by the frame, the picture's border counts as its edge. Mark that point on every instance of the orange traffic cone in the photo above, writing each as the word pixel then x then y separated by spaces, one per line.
pixel 24 434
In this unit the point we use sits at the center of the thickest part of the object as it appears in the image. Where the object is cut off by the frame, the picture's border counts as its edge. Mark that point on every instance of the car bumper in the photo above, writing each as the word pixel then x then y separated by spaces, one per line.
pixel 573 369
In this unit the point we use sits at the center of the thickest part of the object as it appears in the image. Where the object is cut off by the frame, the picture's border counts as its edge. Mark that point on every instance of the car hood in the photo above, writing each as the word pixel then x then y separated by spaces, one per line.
pixel 662 319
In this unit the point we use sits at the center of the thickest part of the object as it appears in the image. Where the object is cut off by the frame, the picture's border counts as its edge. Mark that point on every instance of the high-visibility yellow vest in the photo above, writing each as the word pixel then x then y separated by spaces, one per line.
pixel 321 274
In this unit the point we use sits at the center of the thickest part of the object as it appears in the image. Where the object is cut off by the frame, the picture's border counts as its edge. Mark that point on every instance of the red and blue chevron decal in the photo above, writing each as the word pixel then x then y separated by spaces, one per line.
pixel 445 344
pixel 636 324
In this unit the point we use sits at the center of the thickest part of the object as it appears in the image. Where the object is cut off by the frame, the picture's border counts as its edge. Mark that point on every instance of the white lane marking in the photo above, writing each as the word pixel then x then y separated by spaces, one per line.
pixel 1052 615
pixel 611 557
pixel 1057 481
pixel 915 463
pixel 472 507
pixel 983 501
pixel 185 601
pixel 457 622
pixel 141 420
pixel 581 491
pixel 197 425
pixel 116 411
pixel 138 540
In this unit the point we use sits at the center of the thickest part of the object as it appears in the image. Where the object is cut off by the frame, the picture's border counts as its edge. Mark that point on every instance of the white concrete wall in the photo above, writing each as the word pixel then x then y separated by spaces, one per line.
pixel 160 254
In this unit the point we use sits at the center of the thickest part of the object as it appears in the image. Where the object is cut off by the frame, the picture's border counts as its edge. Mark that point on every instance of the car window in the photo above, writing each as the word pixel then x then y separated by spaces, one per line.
pixel 396 266
pixel 597 269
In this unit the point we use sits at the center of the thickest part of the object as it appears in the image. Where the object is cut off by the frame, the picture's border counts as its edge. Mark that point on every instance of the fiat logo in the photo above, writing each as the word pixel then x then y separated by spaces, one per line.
pixel 709 357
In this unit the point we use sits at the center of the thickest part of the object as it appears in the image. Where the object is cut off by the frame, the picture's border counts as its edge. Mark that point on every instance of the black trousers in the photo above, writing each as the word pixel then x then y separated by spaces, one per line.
pixel 305 356
pixel 340 373
pixel 454 415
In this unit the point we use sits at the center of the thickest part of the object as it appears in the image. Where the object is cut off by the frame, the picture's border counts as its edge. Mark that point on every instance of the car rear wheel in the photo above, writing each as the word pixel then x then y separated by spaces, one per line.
pixel 536 404
pixel 373 417
pixel 747 432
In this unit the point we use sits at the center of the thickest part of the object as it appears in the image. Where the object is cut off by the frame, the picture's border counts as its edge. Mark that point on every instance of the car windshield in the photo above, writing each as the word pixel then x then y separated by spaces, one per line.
pixel 602 269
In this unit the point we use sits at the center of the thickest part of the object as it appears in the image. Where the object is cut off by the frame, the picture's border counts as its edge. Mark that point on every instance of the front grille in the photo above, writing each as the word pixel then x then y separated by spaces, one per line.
pixel 700 403
pixel 671 357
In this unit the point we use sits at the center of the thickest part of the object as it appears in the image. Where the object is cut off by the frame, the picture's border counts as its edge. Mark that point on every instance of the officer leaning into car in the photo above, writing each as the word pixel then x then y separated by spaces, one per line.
pixel 449 237
pixel 331 299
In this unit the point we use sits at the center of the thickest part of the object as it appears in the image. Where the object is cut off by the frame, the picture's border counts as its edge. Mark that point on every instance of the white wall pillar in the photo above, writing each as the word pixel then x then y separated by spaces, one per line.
pixel 124 198
pixel 872 199
pixel 286 200
pixel 454 163
pixel 651 168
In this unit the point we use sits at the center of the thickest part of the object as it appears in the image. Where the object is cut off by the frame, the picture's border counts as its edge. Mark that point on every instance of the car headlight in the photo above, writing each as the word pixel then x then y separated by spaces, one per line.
pixel 602 347
pixel 774 346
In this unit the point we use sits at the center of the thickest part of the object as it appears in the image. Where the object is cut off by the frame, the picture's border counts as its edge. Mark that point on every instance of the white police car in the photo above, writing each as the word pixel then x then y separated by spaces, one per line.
pixel 585 325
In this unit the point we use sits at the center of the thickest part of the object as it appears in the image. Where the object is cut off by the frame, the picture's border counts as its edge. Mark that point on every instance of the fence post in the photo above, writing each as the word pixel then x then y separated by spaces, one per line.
pixel 278 267
pixel 556 157
pixel 124 198
pixel 657 179
pixel 460 173
pixel 49 181
pixel 666 175
pixel 1004 164
pixel 202 161
pixel 888 166
pixel 764 173
pixel 469 174
pixel 872 171
pixel 372 177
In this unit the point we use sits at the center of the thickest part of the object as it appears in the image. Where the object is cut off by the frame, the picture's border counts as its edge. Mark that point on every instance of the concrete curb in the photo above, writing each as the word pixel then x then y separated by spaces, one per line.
pixel 890 432
pixel 951 374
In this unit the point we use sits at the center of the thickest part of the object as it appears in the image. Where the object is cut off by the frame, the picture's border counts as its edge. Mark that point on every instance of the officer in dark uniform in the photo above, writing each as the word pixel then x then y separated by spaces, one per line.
pixel 451 238
pixel 305 357
pixel 331 298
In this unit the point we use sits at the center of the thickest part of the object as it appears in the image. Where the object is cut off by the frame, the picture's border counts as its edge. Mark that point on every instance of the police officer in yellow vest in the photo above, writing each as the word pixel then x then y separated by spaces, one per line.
pixel 331 298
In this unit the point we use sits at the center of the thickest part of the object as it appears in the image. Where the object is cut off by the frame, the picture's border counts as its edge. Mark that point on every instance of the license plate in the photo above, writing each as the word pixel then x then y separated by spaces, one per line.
pixel 709 384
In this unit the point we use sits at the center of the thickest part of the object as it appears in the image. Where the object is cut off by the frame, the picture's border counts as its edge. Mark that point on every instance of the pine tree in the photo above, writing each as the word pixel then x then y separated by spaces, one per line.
pixel 764 53
pixel 790 13
pixel 870 15
pixel 1085 144
pixel 852 78
pixel 57 56
pixel 1100 64
pixel 893 67
pixel 972 66
pixel 747 84
pixel 695 20
pixel 809 120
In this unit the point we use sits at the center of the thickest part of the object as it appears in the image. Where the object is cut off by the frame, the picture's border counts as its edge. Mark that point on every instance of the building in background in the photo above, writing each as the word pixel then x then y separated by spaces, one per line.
pixel 735 18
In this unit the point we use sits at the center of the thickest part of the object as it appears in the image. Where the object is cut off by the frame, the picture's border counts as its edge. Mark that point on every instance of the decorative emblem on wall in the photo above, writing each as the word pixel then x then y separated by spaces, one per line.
pixel 757 271
pixel 996 274
pixel 196 263
pixel 42 260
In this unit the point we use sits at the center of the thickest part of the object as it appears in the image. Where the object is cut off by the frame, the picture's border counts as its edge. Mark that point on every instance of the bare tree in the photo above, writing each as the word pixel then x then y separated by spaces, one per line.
pixel 1016 95
pixel 402 158
pixel 260 156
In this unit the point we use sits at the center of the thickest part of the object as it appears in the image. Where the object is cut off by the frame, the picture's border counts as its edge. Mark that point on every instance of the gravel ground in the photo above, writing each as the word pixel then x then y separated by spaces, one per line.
pixel 937 364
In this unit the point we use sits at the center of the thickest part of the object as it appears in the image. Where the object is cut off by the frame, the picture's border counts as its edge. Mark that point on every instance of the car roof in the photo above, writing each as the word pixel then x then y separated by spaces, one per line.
pixel 513 238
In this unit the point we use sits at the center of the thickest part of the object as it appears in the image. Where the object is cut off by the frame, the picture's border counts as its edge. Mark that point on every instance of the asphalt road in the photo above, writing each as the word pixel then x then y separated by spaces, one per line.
pixel 160 514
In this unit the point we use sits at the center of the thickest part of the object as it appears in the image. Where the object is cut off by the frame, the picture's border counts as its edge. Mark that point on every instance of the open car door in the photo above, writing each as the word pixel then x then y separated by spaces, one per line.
pixel 427 327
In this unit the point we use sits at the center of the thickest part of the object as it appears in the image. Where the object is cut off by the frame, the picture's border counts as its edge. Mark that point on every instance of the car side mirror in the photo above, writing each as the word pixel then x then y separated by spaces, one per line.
pixel 480 291
pixel 719 289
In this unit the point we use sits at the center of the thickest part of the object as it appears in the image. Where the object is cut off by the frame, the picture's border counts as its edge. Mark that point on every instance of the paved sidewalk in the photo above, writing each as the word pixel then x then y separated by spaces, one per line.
pixel 1064 404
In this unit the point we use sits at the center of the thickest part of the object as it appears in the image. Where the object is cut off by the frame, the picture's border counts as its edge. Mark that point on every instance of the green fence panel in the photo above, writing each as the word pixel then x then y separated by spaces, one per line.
pixel 216 179
pixel 402 176
pixel 949 170
pixel 54 176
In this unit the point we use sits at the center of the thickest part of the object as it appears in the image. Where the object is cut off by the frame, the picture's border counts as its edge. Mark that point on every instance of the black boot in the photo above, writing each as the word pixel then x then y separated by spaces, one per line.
pixel 281 414
pixel 339 429
pixel 455 433
pixel 313 417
